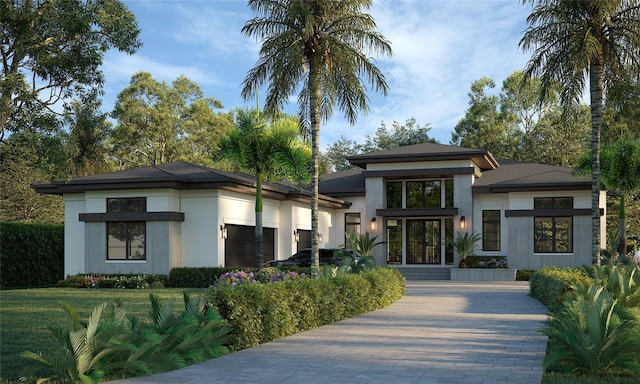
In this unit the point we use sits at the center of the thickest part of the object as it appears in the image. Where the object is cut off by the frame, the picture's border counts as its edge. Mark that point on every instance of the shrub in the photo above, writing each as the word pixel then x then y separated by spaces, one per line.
pixel 110 345
pixel 523 274
pixel 620 280
pixel 552 285
pixel 493 262
pixel 189 277
pixel 260 313
pixel 31 255
pixel 592 334
pixel 264 275
pixel 235 278
pixel 114 281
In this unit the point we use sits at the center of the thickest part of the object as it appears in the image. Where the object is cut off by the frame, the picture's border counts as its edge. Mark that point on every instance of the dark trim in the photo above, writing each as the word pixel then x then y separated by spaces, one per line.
pixel 505 188
pixel 416 212
pixel 549 212
pixel 414 173
pixel 131 216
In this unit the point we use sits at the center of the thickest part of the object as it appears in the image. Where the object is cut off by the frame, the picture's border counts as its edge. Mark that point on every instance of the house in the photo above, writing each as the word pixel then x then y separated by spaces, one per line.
pixel 151 219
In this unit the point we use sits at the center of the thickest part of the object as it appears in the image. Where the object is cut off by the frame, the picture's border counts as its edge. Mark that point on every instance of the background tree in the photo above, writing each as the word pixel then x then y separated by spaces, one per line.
pixel 159 123
pixel 272 152
pixel 572 38
pixel 52 50
pixel 88 133
pixel 515 124
pixel 26 158
pixel 397 135
pixel 325 46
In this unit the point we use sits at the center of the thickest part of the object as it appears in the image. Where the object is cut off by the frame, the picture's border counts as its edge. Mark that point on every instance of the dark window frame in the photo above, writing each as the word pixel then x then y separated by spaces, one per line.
pixel 550 231
pixel 127 205
pixel 491 227
pixel 351 225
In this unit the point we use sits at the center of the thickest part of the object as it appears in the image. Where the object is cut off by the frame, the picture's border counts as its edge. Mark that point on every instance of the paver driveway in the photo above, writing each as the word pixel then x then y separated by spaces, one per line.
pixel 440 332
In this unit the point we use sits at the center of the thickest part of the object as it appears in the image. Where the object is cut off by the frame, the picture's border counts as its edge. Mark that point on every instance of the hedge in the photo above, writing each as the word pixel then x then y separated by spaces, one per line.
pixel 551 285
pixel 191 277
pixel 31 255
pixel 260 313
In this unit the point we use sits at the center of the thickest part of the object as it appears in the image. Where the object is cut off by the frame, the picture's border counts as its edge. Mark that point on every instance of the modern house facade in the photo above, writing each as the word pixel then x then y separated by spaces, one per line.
pixel 152 219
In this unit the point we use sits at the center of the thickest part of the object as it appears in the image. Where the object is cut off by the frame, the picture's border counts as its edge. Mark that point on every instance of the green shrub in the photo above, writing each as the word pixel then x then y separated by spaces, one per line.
pixel 493 262
pixel 621 280
pixel 109 345
pixel 127 281
pixel 552 285
pixel 264 275
pixel 189 277
pixel 260 313
pixel 524 274
pixel 592 334
pixel 31 255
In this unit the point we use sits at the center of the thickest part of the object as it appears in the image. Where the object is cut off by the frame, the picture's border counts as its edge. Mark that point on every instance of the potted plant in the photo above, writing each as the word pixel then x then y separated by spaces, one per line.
pixel 465 245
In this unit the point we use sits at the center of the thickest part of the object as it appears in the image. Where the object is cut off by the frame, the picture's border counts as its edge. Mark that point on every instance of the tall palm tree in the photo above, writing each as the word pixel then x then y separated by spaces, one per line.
pixel 571 40
pixel 269 152
pixel 323 46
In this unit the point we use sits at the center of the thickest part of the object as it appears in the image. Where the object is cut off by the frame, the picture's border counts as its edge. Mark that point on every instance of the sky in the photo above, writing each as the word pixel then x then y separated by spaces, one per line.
pixel 440 47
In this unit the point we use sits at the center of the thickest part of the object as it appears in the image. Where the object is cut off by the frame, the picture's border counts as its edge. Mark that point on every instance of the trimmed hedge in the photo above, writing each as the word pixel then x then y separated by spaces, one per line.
pixel 260 313
pixel 552 285
pixel 188 277
pixel 31 255
pixel 493 262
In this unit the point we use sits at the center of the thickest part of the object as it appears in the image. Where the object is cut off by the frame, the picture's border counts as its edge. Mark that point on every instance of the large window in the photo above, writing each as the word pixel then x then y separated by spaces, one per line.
pixel 491 230
pixel 553 234
pixel 351 224
pixel 420 194
pixel 126 239
pixel 394 241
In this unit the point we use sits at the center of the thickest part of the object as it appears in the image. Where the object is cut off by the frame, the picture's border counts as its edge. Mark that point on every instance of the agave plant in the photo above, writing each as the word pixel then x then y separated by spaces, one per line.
pixel 620 280
pixel 465 245
pixel 362 243
pixel 592 334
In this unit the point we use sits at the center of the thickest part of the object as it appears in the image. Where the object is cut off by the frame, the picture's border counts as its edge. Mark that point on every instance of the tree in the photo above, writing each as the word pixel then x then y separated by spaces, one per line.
pixel 400 135
pixel 52 50
pixel 483 125
pixel 620 170
pixel 572 38
pixel 88 133
pixel 324 45
pixel 159 123
pixel 268 152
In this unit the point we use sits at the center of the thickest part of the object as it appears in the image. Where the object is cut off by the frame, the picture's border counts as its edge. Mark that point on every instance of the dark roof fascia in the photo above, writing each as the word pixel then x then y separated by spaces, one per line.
pixel 416 212
pixel 416 173
pixel 506 188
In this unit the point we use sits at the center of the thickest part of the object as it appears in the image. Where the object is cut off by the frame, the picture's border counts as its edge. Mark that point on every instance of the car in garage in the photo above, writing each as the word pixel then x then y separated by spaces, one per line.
pixel 328 256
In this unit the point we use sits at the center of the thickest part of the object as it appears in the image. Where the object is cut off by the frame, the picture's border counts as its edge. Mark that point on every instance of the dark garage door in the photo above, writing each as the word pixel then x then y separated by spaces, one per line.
pixel 240 244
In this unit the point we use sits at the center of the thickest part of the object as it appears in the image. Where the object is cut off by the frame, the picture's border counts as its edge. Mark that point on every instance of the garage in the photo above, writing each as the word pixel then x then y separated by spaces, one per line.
pixel 240 245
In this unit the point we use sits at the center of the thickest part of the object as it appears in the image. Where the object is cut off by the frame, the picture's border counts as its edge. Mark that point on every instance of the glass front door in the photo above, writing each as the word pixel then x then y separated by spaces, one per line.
pixel 424 244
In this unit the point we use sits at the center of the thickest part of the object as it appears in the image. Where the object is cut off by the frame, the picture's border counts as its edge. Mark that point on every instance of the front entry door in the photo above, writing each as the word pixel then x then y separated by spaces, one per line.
pixel 423 242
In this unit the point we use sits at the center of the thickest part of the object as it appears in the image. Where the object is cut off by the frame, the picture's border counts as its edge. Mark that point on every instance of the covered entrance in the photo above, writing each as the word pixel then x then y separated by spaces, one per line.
pixel 419 241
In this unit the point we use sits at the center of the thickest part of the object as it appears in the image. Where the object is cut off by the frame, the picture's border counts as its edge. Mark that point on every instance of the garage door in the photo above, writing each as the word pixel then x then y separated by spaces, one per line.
pixel 239 247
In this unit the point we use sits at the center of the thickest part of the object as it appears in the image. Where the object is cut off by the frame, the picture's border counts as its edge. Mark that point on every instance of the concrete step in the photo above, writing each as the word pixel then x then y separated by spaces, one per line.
pixel 422 273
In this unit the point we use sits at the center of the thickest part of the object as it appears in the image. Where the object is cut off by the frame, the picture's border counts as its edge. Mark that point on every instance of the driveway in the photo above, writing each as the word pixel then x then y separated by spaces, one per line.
pixel 440 332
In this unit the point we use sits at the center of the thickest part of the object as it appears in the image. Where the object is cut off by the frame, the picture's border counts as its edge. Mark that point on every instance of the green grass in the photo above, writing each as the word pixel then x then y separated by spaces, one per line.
pixel 25 315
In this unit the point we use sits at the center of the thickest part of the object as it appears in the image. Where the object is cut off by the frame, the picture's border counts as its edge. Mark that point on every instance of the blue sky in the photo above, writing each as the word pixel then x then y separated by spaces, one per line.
pixel 440 47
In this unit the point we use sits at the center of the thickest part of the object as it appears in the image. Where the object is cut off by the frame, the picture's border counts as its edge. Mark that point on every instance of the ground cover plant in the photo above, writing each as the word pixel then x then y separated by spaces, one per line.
pixel 25 315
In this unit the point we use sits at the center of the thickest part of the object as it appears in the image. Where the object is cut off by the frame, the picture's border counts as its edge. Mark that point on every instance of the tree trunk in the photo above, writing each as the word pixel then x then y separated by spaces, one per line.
pixel 259 235
pixel 314 115
pixel 596 91
pixel 622 237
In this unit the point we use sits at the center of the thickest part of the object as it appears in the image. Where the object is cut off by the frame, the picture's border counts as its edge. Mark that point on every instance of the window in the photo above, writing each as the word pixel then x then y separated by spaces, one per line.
pixel 424 194
pixel 394 241
pixel 126 239
pixel 448 193
pixel 553 234
pixel 394 194
pixel 491 230
pixel 351 223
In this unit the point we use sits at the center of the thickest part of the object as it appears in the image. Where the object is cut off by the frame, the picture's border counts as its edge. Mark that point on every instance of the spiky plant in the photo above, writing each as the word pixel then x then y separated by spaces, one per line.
pixel 620 280
pixel 465 245
pixel 592 334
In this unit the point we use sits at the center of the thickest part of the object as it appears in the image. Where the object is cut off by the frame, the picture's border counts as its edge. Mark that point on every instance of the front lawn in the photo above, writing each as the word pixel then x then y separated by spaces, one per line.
pixel 25 315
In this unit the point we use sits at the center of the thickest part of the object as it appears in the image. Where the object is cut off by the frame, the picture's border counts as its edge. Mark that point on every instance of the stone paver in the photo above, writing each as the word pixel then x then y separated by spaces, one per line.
pixel 440 332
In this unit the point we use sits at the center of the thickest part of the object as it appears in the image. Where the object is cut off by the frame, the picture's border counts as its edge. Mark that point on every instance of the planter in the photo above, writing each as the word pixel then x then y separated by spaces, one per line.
pixel 482 274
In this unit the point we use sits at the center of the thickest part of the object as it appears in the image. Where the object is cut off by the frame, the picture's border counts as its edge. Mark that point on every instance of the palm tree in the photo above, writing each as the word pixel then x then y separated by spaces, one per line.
pixel 620 168
pixel 322 45
pixel 571 39
pixel 268 152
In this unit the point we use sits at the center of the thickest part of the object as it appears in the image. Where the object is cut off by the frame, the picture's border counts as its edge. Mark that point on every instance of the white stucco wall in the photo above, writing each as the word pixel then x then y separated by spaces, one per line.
pixel 74 242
